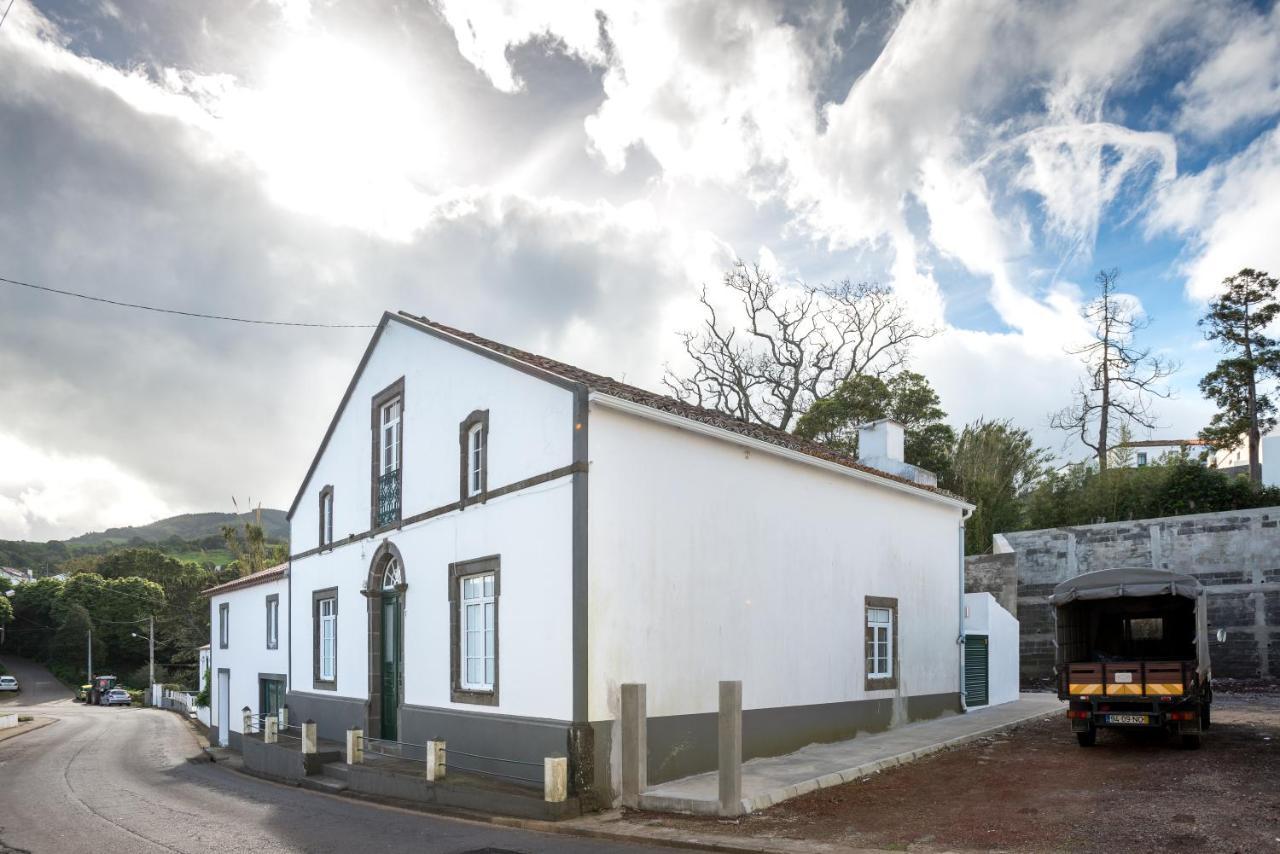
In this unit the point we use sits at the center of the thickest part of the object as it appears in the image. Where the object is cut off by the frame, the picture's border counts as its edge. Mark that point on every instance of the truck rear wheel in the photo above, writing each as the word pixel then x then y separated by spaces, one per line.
pixel 1088 737
pixel 1191 741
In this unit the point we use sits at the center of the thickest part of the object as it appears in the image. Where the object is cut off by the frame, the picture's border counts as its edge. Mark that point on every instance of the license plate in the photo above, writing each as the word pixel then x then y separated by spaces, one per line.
pixel 1139 720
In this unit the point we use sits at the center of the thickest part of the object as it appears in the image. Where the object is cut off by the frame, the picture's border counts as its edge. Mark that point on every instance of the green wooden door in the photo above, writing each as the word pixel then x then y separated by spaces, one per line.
pixel 975 670
pixel 390 666
pixel 270 696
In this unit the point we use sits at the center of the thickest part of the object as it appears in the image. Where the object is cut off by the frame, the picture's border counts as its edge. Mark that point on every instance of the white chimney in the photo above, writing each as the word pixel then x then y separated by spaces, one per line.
pixel 881 440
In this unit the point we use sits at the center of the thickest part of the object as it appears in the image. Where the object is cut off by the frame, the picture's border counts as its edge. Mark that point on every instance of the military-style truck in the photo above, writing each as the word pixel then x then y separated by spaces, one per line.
pixel 1133 653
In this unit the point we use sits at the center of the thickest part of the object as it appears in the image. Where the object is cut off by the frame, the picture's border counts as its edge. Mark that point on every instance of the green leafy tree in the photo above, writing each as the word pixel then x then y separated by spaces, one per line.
pixel 993 465
pixel 71 642
pixel 249 546
pixel 1237 320
pixel 906 397
pixel 34 622
pixel 6 610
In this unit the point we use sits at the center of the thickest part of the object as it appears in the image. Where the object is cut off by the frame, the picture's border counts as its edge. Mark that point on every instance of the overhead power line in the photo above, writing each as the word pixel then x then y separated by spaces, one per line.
pixel 6 13
pixel 195 314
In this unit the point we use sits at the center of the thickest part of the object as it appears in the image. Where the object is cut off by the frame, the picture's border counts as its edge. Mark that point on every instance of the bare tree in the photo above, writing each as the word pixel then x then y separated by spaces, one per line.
pixel 1120 378
pixel 791 347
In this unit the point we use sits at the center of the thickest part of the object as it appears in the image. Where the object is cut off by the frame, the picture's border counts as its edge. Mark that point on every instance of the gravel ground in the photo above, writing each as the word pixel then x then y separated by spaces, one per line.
pixel 1032 788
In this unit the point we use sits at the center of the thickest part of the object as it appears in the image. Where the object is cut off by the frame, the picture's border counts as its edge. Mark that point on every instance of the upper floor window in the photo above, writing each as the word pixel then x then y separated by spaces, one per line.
pixel 1142 458
pixel 473 450
pixel 326 516
pixel 224 625
pixel 273 621
pixel 388 454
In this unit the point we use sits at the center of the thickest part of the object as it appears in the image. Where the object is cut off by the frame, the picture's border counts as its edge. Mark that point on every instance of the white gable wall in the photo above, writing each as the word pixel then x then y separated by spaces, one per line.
pixel 709 561
pixel 530 430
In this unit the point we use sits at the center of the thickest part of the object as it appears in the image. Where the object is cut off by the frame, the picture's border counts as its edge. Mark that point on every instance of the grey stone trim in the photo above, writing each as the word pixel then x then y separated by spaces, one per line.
pixel 224 625
pixel 582 755
pixel 373 596
pixel 317 596
pixel 458 571
pixel 396 389
pixel 890 682
pixel 326 534
pixel 274 598
pixel 481 417
pixel 527 483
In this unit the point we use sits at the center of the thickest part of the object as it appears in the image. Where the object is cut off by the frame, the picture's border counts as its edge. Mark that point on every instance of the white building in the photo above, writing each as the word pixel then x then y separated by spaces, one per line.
pixel 488 543
pixel 1236 460
pixel 248 650
pixel 991 652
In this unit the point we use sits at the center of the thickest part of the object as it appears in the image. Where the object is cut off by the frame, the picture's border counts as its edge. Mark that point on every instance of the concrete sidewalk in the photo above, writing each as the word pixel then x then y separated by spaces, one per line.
pixel 775 779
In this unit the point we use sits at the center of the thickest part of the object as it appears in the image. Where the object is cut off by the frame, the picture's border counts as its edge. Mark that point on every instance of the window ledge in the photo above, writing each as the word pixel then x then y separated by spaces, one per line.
pixel 323 685
pixel 475 698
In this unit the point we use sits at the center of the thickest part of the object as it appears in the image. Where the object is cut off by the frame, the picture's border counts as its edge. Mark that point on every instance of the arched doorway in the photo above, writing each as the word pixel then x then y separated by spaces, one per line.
pixel 385 590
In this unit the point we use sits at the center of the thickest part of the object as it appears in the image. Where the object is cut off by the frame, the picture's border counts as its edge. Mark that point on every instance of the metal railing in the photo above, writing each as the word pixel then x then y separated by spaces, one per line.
pixel 389 498
pixel 453 751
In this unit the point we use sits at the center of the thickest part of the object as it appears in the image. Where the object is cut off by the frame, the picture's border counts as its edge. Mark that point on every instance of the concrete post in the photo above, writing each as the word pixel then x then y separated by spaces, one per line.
pixel 730 748
pixel 284 717
pixel 355 746
pixel 309 737
pixel 635 743
pixel 270 734
pixel 435 761
pixel 248 720
pixel 555 779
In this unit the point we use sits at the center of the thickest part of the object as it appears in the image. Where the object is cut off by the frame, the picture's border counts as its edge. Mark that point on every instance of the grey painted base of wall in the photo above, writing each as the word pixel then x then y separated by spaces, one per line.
pixel 526 741
pixel 333 715
pixel 682 745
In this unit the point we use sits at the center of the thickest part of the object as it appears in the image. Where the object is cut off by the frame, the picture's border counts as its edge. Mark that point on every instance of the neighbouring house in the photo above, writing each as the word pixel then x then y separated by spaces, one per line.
pixel 1236 460
pixel 1145 452
pixel 488 543
pixel 991 654
pixel 11 576
pixel 247 657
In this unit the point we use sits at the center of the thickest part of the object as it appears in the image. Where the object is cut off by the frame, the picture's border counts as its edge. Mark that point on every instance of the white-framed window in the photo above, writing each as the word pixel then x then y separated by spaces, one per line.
pixel 273 621
pixel 224 625
pixel 389 459
pixel 479 626
pixel 328 638
pixel 879 643
pixel 475 459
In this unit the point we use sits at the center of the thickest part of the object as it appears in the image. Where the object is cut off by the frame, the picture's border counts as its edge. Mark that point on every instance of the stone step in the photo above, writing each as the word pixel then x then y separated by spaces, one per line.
pixel 323 784
pixel 336 770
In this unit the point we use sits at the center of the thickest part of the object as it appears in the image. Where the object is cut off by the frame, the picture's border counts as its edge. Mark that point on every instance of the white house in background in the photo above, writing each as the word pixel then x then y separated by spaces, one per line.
pixel 248 650
pixel 1236 460
pixel 489 542
pixel 991 652
pixel 1145 452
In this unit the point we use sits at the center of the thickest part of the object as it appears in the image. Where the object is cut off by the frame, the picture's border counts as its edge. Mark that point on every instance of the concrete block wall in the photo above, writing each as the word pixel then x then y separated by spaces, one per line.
pixel 1235 554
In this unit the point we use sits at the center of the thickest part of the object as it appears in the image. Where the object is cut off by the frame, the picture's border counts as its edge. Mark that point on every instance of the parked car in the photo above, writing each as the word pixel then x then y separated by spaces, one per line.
pixel 9 683
pixel 116 697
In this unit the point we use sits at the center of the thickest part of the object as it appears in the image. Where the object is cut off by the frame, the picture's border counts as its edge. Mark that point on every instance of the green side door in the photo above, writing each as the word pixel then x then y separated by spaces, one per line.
pixel 975 670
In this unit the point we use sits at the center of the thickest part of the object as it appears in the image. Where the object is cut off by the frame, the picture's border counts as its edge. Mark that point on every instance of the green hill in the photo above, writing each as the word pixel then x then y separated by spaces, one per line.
pixel 188 526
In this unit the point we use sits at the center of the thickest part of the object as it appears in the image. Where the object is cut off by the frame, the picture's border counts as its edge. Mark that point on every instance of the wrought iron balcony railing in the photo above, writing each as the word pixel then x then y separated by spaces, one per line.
pixel 389 498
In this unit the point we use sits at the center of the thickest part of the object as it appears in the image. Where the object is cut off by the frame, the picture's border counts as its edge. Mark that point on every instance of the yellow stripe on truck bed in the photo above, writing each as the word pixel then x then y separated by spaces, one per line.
pixel 1090 688
pixel 1157 688
pixel 1130 689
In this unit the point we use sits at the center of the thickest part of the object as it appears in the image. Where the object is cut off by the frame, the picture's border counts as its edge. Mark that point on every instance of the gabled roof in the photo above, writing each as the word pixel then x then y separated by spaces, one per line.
pixel 576 378
pixel 262 576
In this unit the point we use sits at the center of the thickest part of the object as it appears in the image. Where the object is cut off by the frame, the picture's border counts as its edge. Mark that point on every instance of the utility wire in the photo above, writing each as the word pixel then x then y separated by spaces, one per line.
pixel 186 313
pixel 6 13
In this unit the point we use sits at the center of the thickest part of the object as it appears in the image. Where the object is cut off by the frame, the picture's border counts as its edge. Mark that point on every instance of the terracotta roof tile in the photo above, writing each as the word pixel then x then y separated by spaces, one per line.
pixel 634 394
pixel 273 573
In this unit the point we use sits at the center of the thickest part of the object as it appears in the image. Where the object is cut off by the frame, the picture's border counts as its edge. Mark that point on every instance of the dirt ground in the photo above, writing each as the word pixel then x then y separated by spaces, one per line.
pixel 1032 788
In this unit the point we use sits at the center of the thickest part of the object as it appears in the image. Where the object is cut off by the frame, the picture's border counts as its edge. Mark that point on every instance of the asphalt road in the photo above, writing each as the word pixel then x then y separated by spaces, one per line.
pixel 135 780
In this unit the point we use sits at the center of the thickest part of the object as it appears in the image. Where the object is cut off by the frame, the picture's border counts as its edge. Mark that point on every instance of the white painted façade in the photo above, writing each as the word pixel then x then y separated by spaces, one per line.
pixel 488 543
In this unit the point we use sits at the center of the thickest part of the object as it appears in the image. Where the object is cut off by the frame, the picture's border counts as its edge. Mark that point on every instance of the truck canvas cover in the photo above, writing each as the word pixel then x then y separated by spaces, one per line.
pixel 1074 599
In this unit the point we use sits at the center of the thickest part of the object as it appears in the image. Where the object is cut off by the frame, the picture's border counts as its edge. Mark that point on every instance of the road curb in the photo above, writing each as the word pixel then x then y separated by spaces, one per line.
pixel 23 729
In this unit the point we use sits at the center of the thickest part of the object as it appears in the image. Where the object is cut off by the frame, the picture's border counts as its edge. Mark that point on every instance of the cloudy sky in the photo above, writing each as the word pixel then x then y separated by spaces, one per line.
pixel 563 177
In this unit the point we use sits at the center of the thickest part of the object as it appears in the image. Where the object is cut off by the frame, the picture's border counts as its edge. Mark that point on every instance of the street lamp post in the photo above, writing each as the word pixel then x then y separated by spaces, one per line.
pixel 151 650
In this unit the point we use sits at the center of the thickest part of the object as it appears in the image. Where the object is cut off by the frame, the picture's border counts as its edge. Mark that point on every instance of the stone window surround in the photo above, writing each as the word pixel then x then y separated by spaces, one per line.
pixel 273 599
pixel 326 531
pixel 481 417
pixel 458 571
pixel 885 682
pixel 318 596
pixel 224 625
pixel 391 392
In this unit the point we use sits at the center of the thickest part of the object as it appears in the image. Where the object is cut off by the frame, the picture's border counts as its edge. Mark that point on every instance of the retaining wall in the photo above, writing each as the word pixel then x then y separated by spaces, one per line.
pixel 1235 554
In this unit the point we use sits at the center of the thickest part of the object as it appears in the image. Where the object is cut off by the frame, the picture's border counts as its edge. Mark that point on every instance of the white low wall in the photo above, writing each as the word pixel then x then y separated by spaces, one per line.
pixel 983 615
pixel 7 721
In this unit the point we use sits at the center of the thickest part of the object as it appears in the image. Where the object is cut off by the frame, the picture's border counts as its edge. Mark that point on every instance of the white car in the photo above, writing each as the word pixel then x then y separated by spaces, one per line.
pixel 9 683
pixel 116 697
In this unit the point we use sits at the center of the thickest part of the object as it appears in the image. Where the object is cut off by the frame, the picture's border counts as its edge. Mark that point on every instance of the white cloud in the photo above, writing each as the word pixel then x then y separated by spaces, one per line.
pixel 1240 81
pixel 1227 213
pixel 47 495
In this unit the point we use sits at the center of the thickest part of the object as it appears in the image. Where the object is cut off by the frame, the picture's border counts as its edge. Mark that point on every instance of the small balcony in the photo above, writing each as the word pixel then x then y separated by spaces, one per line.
pixel 388 499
